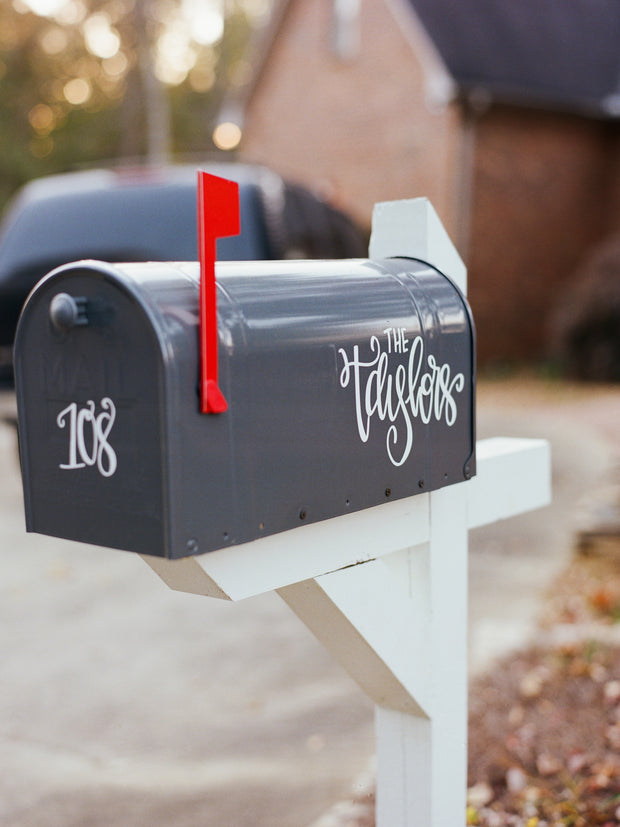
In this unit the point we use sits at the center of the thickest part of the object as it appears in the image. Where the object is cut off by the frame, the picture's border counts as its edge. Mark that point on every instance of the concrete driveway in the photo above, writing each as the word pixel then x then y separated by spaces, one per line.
pixel 124 703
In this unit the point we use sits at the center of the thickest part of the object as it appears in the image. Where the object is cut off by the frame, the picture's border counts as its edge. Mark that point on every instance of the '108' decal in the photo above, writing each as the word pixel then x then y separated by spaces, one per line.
pixel 88 436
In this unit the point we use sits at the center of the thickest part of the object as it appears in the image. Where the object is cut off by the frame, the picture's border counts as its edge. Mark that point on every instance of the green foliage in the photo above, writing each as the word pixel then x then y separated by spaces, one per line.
pixel 69 99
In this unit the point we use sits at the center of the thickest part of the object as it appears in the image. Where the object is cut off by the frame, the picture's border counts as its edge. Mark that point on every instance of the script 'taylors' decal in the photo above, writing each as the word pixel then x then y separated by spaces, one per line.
pixel 415 388
pixel 88 436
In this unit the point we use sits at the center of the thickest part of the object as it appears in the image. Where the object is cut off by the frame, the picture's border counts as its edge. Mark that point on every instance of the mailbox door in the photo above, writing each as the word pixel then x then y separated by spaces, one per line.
pixel 91 427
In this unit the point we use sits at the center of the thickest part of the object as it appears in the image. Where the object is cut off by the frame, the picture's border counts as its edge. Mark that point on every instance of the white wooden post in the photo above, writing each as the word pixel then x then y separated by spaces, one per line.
pixel 410 607
pixel 385 589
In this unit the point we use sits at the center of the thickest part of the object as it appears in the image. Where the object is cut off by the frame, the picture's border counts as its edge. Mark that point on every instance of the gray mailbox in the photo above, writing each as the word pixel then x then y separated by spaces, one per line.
pixel 348 383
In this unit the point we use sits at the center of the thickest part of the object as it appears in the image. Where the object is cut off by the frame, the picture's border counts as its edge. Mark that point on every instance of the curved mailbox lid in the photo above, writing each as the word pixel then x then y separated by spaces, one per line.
pixel 324 424
pixel 88 401
pixel 348 383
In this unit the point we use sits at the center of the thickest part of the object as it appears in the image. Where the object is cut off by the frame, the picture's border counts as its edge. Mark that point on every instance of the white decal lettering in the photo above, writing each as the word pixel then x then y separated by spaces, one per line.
pixel 402 395
pixel 88 436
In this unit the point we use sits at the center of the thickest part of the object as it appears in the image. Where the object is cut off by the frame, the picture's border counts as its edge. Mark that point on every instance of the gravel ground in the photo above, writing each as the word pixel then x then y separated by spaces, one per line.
pixel 544 729
pixel 544 723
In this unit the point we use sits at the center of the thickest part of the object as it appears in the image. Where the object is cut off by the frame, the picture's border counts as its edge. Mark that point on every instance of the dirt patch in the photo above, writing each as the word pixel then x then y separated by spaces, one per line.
pixel 544 728
pixel 544 723
pixel 544 740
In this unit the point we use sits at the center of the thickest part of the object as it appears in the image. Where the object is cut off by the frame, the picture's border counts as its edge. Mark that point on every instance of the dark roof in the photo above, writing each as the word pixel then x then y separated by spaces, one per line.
pixel 563 53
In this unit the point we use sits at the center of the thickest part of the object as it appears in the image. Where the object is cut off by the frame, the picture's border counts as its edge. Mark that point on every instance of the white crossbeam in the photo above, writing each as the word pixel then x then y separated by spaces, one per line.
pixel 513 477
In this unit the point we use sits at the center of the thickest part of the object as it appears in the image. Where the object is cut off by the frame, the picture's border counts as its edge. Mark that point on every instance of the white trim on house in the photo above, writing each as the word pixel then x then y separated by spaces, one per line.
pixel 236 102
pixel 441 87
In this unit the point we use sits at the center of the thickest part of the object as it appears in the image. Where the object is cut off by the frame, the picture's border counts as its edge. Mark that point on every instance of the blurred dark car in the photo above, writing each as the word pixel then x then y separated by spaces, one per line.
pixel 149 214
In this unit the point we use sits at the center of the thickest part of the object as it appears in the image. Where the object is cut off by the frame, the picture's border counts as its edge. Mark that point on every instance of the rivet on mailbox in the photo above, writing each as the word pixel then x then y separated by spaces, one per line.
pixel 341 381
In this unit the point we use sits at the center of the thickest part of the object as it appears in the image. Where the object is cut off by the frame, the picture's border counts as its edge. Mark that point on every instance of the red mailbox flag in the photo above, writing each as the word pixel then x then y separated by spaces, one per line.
pixel 218 216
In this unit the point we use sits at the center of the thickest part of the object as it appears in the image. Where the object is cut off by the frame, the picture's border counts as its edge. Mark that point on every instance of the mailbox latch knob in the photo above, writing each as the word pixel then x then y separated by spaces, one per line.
pixel 68 311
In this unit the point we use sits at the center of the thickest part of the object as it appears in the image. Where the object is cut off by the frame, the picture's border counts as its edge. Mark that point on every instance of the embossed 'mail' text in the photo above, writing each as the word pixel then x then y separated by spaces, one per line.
pixel 88 436
pixel 417 388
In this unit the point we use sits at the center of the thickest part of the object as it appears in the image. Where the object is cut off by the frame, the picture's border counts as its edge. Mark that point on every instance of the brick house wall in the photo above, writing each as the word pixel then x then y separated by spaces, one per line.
pixel 542 196
pixel 613 164
pixel 360 130
pixel 523 192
